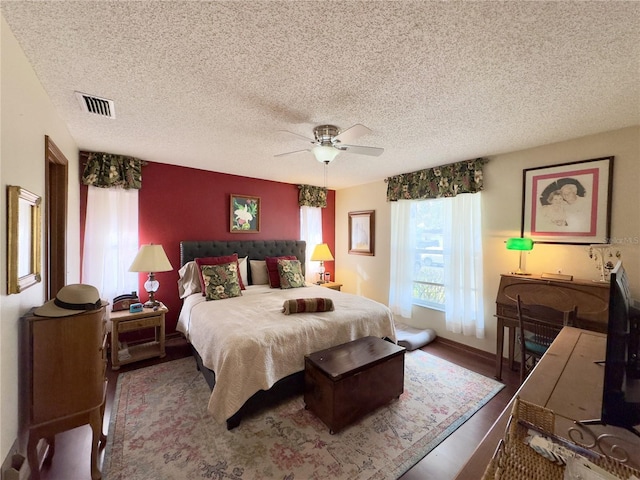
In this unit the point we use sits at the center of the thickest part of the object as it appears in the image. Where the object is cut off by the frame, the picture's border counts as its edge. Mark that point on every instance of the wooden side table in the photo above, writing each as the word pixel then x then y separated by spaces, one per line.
pixel 332 285
pixel 123 321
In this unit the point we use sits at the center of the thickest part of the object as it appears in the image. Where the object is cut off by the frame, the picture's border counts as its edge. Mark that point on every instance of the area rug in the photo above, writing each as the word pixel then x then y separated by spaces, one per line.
pixel 160 428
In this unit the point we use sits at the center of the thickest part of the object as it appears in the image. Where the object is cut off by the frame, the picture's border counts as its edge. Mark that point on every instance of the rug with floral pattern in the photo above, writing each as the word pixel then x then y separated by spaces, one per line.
pixel 160 429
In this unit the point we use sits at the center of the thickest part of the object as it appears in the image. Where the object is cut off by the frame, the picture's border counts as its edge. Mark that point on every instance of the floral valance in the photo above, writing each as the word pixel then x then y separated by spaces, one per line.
pixel 311 196
pixel 445 181
pixel 106 170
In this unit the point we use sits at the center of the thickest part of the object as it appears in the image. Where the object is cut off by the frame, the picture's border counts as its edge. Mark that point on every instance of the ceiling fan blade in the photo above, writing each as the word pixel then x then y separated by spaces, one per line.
pixel 360 150
pixel 298 135
pixel 352 133
pixel 291 153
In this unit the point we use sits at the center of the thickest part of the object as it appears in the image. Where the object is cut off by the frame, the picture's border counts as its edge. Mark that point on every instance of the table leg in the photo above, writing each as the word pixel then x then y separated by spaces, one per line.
pixel 499 347
pixel 95 420
pixel 32 456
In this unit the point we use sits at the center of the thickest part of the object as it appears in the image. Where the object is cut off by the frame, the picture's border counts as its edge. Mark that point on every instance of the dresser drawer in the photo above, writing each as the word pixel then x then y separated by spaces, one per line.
pixel 138 323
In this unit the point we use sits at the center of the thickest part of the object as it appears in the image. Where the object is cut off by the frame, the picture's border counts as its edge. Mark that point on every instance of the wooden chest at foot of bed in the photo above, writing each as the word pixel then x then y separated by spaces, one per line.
pixel 346 382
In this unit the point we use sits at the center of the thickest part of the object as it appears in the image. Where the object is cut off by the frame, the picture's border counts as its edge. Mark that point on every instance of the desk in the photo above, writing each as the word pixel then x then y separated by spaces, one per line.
pixel 591 298
pixel 566 381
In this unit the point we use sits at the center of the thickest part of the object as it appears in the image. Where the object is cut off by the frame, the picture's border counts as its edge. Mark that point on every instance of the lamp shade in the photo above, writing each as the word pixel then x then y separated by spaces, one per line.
pixel 151 258
pixel 518 243
pixel 325 154
pixel 321 253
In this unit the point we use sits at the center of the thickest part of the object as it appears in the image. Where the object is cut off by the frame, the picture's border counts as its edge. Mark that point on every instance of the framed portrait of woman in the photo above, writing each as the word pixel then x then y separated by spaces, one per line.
pixel 569 202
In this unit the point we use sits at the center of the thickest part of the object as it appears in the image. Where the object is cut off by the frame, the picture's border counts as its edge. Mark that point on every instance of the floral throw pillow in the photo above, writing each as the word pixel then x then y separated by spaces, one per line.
pixel 290 274
pixel 221 281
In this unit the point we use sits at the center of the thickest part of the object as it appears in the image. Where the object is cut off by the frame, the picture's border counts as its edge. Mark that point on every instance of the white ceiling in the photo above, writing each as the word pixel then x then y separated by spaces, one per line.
pixel 210 84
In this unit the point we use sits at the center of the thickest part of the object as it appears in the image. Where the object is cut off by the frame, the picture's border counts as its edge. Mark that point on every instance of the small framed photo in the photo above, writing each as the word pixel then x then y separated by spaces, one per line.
pixel 568 203
pixel 245 214
pixel 362 232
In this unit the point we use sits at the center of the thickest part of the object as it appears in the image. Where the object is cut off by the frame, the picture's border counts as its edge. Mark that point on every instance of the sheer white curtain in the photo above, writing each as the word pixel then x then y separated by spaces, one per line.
pixel 110 240
pixel 464 309
pixel 311 232
pixel 403 244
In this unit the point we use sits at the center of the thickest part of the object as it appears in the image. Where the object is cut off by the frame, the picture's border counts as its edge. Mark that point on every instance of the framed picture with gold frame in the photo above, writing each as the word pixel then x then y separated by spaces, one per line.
pixel 245 214
pixel 362 232
pixel 24 243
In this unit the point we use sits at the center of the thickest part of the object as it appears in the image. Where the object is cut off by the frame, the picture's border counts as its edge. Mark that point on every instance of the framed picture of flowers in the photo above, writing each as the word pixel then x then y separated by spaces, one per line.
pixel 245 214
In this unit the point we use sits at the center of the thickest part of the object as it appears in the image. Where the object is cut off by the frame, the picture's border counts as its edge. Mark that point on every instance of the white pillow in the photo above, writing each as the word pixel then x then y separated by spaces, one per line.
pixel 242 263
pixel 259 275
pixel 189 281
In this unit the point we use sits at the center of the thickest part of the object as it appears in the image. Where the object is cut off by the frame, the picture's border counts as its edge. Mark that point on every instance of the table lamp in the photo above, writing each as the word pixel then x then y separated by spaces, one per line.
pixel 521 245
pixel 321 253
pixel 151 258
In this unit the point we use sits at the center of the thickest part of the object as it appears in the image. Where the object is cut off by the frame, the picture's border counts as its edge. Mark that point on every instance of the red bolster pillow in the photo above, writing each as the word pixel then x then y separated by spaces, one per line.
pixel 301 305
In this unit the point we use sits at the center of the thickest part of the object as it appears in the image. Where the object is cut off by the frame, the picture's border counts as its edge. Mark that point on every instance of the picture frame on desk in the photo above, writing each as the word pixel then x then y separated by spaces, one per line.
pixel 568 203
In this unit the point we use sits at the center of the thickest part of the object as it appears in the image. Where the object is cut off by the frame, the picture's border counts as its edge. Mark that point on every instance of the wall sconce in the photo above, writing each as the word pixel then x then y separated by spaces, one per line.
pixel 321 253
pixel 521 245
pixel 151 258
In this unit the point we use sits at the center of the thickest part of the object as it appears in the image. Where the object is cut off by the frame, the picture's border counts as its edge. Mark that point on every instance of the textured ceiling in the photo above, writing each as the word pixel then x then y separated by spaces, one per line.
pixel 210 84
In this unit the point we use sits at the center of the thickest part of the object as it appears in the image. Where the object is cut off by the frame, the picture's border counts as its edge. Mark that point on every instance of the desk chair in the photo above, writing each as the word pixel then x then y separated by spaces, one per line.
pixel 539 326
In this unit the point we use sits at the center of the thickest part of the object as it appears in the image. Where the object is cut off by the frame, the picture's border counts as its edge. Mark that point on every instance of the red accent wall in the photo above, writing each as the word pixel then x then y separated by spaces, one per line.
pixel 180 203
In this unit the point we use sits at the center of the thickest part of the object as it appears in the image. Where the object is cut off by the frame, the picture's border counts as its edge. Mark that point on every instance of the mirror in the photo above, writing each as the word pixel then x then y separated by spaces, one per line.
pixel 23 239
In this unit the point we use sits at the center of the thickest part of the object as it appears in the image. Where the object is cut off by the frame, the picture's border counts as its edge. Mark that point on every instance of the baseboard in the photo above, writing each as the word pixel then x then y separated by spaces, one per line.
pixel 466 348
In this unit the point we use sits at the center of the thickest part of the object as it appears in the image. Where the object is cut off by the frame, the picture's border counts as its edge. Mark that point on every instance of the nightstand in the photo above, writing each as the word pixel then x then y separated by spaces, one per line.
pixel 123 321
pixel 332 285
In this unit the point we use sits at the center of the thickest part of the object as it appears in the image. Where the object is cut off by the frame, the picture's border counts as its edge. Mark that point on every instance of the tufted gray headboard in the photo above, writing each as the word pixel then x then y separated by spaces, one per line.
pixel 254 249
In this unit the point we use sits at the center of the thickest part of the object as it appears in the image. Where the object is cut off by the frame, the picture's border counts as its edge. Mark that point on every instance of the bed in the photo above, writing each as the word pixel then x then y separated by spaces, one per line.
pixel 248 350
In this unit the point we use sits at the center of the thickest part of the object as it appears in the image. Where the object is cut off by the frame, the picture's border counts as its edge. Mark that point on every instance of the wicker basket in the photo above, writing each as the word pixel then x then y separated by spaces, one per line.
pixel 515 460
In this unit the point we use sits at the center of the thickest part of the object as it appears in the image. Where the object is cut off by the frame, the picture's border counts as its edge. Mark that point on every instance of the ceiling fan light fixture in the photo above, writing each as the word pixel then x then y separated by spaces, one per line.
pixel 324 153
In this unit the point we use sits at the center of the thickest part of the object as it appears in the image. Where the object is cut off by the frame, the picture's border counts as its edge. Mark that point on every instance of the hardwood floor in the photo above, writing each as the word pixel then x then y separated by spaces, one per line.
pixel 444 461
pixel 72 448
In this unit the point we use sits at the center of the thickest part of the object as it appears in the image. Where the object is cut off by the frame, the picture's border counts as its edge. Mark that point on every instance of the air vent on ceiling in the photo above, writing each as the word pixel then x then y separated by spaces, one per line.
pixel 97 105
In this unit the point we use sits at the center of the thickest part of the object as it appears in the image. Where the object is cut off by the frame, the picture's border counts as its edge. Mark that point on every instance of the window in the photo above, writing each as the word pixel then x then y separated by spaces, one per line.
pixel 428 263
pixel 436 260
pixel 311 232
pixel 110 240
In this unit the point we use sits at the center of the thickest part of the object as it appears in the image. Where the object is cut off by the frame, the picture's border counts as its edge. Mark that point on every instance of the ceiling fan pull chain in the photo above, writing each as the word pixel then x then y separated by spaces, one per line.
pixel 326 168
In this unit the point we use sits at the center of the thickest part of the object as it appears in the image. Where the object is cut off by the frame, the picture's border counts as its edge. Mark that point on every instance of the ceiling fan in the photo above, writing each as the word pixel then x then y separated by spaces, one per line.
pixel 329 141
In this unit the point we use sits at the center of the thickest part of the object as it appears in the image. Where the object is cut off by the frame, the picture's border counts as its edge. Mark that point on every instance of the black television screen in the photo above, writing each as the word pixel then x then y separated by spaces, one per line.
pixel 621 392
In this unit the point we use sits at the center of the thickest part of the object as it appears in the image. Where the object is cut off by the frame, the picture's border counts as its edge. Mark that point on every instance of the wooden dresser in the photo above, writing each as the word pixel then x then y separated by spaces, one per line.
pixel 64 384
pixel 591 298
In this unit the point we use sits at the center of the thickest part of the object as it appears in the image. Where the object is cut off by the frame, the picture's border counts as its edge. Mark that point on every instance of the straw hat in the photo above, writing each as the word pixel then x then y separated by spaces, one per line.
pixel 71 300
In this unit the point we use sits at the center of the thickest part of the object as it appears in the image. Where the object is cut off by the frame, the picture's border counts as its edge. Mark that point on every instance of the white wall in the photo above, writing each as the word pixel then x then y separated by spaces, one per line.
pixel 501 210
pixel 27 116
pixel 364 275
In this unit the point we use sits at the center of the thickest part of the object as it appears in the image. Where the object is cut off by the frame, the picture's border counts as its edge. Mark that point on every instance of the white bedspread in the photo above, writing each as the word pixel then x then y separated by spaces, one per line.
pixel 250 344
